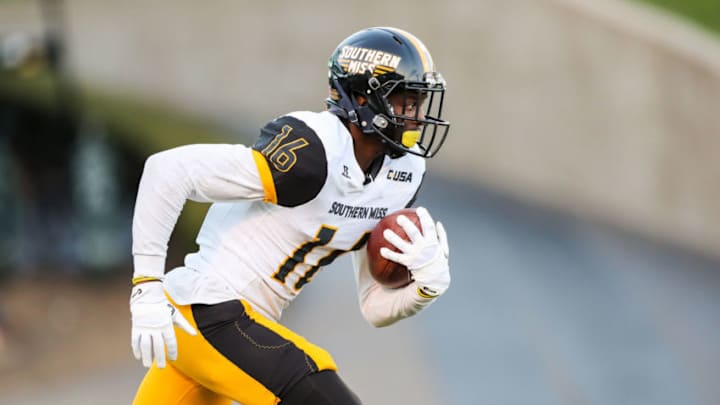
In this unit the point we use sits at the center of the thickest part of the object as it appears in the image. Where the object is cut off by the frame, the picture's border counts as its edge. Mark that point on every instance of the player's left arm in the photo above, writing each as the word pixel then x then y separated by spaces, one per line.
pixel 426 256
pixel 381 306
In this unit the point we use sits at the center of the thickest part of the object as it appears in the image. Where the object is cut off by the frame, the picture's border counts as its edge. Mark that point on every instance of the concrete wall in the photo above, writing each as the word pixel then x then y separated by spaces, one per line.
pixel 604 108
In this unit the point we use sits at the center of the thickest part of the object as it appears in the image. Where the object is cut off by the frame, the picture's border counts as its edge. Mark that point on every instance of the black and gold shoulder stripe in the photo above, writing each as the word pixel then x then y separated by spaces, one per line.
pixel 291 160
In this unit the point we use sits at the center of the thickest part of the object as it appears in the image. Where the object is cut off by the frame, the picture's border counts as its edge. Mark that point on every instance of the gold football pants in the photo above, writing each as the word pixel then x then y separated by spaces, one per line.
pixel 237 355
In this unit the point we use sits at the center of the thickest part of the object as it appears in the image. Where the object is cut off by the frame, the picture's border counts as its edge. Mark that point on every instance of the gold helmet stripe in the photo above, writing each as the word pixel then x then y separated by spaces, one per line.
pixel 419 46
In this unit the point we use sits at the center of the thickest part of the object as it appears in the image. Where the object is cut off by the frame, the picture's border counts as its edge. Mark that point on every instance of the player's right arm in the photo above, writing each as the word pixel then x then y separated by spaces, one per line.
pixel 204 173
pixel 286 166
pixel 195 172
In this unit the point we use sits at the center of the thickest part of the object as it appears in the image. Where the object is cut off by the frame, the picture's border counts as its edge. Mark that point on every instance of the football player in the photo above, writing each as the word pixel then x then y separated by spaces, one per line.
pixel 310 189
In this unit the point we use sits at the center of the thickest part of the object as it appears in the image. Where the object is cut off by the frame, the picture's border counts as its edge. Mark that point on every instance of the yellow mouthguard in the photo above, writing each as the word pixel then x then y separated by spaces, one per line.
pixel 410 138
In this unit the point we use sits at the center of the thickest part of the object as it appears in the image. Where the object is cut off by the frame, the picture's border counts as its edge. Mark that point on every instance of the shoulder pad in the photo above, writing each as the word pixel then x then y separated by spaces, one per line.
pixel 295 157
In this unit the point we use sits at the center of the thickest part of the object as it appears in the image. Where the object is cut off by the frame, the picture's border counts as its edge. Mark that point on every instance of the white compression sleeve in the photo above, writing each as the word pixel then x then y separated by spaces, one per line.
pixel 204 173
pixel 382 306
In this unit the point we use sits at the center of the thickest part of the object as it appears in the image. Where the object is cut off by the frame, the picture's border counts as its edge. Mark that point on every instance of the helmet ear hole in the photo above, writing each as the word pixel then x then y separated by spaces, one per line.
pixel 374 84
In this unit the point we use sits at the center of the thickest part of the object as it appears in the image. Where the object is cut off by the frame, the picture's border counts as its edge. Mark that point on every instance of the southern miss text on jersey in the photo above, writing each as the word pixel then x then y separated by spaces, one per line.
pixel 318 204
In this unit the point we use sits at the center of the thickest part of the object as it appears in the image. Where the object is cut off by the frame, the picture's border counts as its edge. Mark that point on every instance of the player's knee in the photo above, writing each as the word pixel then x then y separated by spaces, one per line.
pixel 323 388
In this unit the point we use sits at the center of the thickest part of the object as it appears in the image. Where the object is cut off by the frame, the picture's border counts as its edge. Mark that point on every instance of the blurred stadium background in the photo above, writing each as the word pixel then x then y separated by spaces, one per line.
pixel 580 188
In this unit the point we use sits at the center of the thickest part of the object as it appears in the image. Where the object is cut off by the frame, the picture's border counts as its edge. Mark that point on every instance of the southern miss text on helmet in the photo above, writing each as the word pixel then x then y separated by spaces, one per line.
pixel 379 64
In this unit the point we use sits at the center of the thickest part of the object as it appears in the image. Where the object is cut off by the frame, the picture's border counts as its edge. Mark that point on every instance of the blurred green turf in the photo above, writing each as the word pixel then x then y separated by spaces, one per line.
pixel 705 13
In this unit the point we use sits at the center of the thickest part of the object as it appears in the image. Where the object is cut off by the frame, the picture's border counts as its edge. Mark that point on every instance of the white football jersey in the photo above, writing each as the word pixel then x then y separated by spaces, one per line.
pixel 318 204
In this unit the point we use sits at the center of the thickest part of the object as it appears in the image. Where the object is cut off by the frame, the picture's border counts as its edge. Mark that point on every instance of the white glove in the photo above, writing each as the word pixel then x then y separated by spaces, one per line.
pixel 425 255
pixel 152 324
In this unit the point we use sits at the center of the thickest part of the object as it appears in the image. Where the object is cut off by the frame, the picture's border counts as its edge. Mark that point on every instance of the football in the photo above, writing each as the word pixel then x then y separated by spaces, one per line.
pixel 386 272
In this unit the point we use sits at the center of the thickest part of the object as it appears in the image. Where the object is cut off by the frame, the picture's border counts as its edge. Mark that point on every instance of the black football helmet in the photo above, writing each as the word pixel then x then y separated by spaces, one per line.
pixel 379 63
